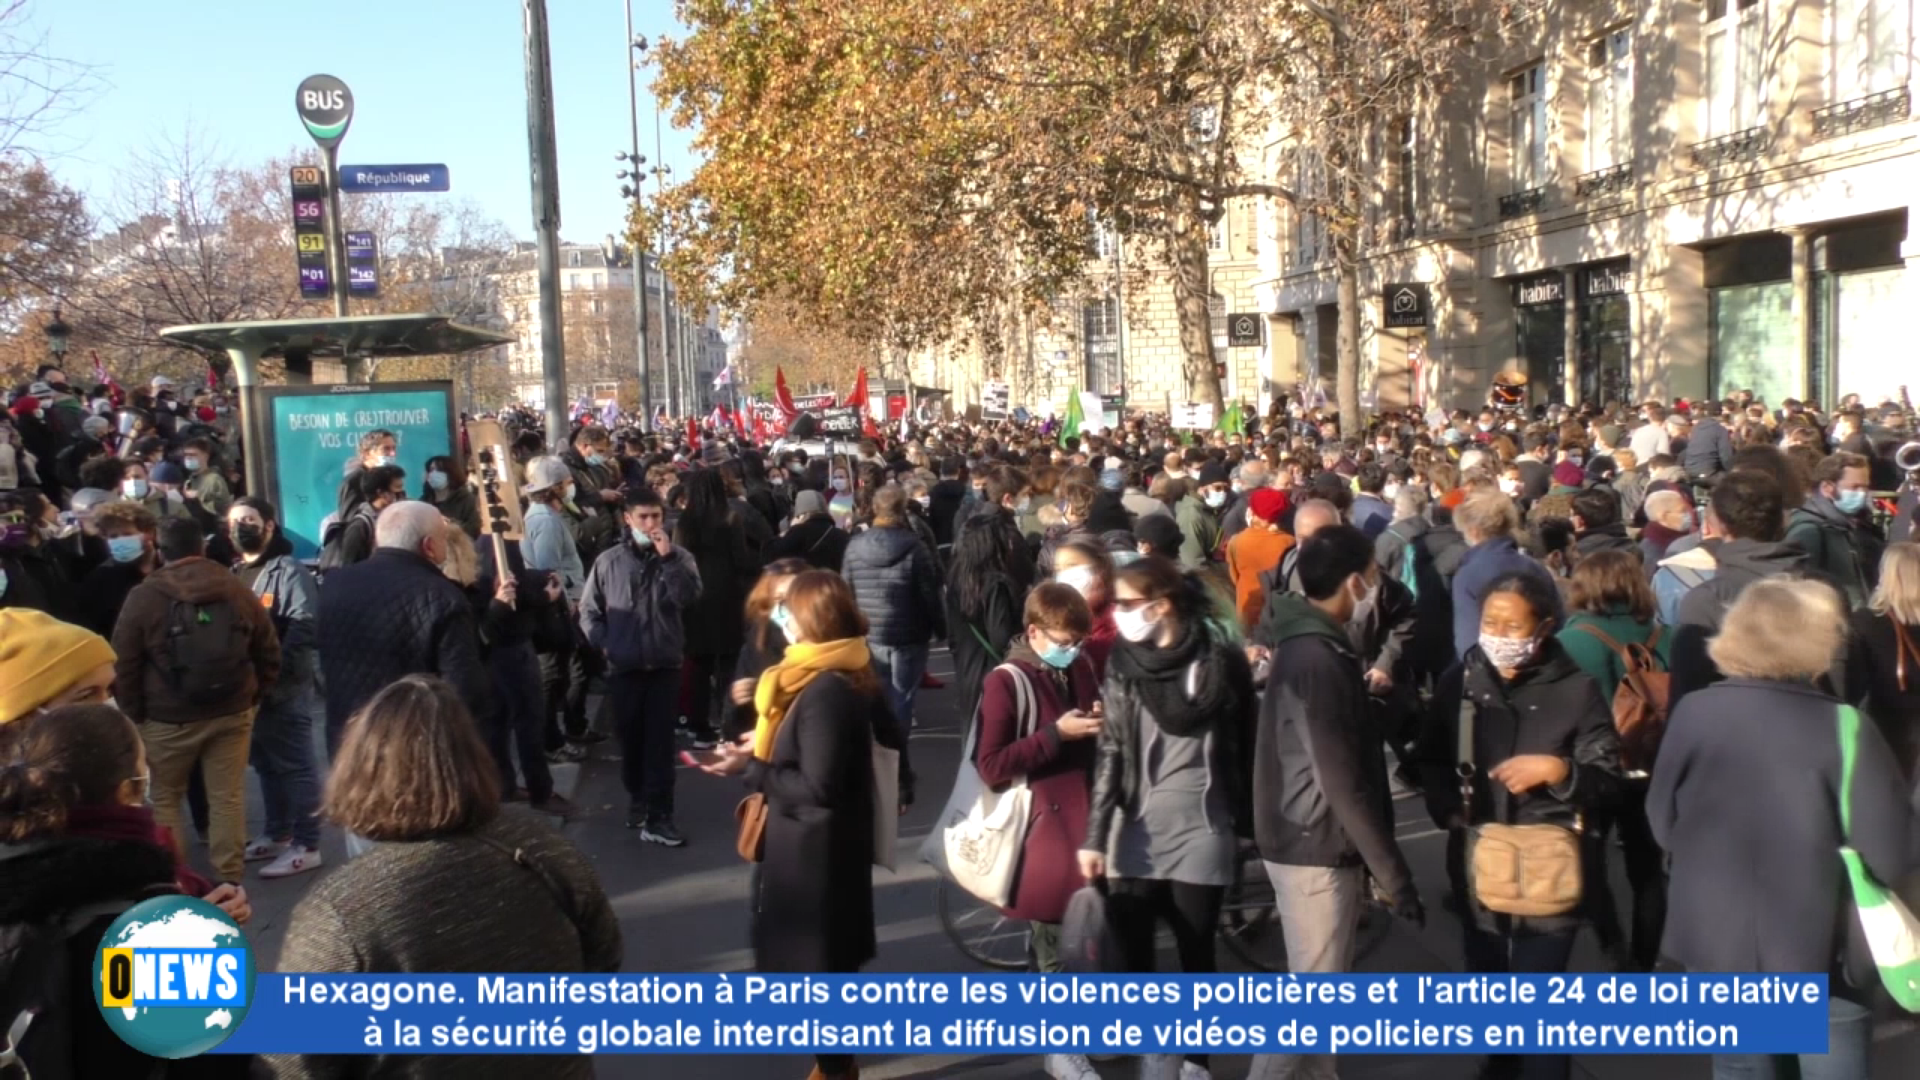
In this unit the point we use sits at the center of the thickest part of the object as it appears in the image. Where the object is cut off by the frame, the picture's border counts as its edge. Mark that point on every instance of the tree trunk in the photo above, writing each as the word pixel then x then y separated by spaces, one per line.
pixel 1187 244
pixel 1346 338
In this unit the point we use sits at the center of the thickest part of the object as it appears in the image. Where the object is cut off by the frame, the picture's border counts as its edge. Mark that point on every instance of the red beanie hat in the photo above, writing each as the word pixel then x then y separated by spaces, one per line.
pixel 1268 504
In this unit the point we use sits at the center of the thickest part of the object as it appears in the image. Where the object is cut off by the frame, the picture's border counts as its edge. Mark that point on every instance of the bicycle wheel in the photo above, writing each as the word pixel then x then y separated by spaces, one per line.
pixel 979 930
pixel 1249 927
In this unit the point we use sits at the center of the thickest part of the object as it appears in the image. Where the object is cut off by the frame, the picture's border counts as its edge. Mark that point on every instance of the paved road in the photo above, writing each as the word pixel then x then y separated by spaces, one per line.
pixel 685 910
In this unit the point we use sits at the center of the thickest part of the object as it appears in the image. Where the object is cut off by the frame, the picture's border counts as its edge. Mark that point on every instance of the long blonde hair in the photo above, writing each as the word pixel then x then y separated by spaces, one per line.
pixel 1898 595
pixel 463 562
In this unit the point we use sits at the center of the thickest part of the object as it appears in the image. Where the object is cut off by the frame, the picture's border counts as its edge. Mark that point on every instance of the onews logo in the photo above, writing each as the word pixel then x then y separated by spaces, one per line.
pixel 173 976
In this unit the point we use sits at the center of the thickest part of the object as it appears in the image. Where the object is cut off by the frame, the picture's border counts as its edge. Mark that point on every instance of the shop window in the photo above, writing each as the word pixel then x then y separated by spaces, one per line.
pixel 1750 341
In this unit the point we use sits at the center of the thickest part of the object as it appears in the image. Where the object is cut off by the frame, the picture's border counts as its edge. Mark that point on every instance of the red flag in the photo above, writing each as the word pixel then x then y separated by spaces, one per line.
pixel 782 397
pixel 759 428
pixel 693 433
pixel 858 399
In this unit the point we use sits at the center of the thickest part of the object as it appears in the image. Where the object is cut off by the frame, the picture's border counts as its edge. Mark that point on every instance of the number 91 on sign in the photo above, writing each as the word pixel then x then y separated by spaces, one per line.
pixel 313 241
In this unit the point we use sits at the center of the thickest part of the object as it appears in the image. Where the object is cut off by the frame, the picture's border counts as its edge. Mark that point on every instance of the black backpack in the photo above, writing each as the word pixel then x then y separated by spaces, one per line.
pixel 37 992
pixel 207 658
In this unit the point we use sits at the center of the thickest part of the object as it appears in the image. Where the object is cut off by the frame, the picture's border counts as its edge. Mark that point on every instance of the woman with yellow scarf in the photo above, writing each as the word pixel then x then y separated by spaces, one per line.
pixel 820 710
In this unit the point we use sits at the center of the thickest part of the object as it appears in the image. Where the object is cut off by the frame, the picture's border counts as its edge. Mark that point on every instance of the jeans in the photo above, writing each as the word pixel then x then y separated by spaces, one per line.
pixel 1646 879
pixel 519 723
pixel 283 756
pixel 643 704
pixel 1849 1053
pixel 219 744
pixel 1136 906
pixel 1520 954
pixel 564 675
pixel 901 667
pixel 712 681
pixel 1319 911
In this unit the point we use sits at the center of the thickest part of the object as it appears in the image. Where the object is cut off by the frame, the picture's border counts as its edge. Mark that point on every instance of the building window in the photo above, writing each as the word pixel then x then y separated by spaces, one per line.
pixel 1736 75
pixel 1100 337
pixel 595 306
pixel 1610 101
pixel 1406 168
pixel 1869 47
pixel 1106 242
pixel 573 281
pixel 1217 234
pixel 573 258
pixel 1527 99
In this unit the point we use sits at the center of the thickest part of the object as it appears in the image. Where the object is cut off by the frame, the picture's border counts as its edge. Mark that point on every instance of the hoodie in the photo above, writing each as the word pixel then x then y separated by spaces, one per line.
pixel 1737 564
pixel 1320 772
pixel 1838 545
pixel 1605 538
pixel 143 681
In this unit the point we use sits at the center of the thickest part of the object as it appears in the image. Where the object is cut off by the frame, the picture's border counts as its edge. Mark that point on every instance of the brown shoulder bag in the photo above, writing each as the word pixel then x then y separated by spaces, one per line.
pixel 1529 870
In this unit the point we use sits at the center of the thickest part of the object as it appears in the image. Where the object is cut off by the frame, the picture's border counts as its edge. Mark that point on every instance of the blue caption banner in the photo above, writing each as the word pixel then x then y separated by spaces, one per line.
pixel 1025 1014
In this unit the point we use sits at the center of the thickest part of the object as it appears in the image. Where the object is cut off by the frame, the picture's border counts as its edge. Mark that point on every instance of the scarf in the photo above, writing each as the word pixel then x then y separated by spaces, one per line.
pixel 782 682
pixel 135 824
pixel 1159 676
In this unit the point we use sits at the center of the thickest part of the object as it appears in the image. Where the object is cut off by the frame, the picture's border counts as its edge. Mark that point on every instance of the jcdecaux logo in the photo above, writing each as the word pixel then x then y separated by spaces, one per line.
pixel 173 976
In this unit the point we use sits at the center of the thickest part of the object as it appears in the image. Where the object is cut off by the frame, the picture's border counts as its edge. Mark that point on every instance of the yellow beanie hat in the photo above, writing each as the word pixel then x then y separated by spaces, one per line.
pixel 41 658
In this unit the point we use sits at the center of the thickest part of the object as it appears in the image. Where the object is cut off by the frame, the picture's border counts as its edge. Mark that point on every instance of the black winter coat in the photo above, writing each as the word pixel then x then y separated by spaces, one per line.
pixel 980 643
pixel 394 615
pixel 817 540
pixel 757 654
pixel 1744 801
pixel 896 584
pixel 1845 549
pixel 1551 707
pixel 728 569
pixel 813 909
pixel 1738 563
pixel 37 579
pixel 1886 686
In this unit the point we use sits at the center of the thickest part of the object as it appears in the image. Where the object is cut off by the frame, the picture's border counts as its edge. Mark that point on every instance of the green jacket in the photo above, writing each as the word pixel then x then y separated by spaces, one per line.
pixel 1199 532
pixel 1597 659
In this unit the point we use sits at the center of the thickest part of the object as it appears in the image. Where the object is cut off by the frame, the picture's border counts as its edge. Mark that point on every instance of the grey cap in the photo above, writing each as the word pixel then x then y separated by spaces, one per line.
pixel 546 472
pixel 809 502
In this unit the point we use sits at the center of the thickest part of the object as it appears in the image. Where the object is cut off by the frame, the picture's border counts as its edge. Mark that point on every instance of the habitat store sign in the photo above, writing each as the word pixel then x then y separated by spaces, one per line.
pixel 373 179
pixel 313 438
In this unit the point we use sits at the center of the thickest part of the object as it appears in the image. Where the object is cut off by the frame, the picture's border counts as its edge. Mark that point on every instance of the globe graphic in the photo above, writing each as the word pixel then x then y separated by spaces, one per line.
pixel 178 922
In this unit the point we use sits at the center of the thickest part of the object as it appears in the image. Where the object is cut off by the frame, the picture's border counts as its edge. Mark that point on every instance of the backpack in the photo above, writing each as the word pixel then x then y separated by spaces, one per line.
pixel 37 990
pixel 1409 576
pixel 207 661
pixel 1640 700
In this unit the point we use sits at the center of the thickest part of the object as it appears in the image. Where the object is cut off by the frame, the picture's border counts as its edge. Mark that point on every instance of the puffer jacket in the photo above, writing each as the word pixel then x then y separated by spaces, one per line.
pixel 143 685
pixel 1844 548
pixel 292 601
pixel 1551 707
pixel 893 578
pixel 632 604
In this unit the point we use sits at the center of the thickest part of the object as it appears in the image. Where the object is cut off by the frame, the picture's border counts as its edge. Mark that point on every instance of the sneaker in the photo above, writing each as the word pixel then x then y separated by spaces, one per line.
pixel 1190 1071
pixel 566 755
pixel 636 817
pixel 1070 1067
pixel 558 805
pixel 295 860
pixel 661 831
pixel 263 849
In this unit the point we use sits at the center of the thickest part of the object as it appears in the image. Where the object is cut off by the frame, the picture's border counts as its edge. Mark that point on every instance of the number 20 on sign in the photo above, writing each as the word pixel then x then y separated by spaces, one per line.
pixel 307 176
pixel 313 242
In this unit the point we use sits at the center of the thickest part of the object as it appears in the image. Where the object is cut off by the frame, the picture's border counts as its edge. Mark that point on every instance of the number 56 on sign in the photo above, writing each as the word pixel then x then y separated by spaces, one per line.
pixel 313 242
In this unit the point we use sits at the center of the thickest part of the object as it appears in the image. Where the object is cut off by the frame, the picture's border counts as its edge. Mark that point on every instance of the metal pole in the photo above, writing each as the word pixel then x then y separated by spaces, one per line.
pixel 637 249
pixel 669 325
pixel 546 216
pixel 336 231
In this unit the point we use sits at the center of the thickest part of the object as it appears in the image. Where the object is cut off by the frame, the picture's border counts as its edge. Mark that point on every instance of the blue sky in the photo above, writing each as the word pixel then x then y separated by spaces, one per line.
pixel 434 81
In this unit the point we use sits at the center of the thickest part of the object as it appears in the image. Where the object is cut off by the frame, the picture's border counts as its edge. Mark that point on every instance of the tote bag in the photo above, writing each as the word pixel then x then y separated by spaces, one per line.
pixel 886 804
pixel 977 840
pixel 1892 933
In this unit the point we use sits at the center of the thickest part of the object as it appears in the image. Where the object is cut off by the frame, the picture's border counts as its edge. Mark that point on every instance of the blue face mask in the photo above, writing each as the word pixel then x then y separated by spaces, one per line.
pixel 1059 656
pixel 641 538
pixel 126 549
pixel 782 619
pixel 437 480
pixel 193 464
pixel 596 459
pixel 1851 502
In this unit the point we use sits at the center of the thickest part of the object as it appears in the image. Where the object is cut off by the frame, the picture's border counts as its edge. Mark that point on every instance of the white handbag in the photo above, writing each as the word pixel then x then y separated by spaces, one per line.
pixel 980 834
pixel 886 804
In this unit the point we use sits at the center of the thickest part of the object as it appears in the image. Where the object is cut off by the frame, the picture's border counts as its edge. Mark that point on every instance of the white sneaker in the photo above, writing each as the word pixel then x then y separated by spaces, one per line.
pixel 1190 1071
pixel 294 860
pixel 263 848
pixel 1159 1066
pixel 1070 1067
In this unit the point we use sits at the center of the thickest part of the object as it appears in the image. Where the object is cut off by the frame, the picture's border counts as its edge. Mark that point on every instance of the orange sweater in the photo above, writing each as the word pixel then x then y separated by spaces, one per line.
pixel 1253 552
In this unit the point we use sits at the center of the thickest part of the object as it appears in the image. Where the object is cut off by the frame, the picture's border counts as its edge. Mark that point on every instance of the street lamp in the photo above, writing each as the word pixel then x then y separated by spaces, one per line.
pixel 57 332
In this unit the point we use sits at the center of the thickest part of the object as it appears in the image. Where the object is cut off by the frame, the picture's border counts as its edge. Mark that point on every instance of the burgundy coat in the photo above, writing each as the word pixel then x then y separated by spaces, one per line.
pixel 1058 771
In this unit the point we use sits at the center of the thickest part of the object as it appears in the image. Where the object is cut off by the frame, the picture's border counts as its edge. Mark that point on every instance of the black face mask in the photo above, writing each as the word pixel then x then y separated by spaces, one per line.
pixel 250 537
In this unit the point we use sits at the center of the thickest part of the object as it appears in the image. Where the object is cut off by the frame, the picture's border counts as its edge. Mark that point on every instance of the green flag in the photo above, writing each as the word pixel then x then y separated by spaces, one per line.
pixel 1074 417
pixel 1231 421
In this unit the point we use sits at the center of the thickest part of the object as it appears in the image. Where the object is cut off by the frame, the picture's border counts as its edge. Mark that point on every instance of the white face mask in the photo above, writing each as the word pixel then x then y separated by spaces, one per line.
pixel 1134 625
pixel 1506 653
pixel 1080 579
pixel 1390 492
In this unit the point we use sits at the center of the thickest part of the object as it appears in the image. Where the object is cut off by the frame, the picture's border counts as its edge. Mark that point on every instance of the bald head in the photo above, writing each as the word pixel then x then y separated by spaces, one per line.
pixel 1669 508
pixel 1314 515
pixel 411 526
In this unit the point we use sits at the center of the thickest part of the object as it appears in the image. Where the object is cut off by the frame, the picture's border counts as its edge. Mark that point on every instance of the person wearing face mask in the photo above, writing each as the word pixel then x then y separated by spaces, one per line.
pixel 1669 518
pixel 1086 567
pixel 1173 774
pixel 136 486
pixel 1541 751
pixel 131 535
pixel 1489 522
pixel 443 489
pixel 596 490
pixel 205 485
pixel 351 539
pixel 632 613
pixel 378 447
pixel 1198 514
pixel 77 835
pixel 1257 550
pixel 1835 529
pixel 1324 819
pixel 32 574
pixel 282 748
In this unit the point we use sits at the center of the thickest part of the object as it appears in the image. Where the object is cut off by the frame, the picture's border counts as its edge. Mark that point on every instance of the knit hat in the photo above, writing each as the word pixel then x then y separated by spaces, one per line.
pixel 809 502
pixel 1611 434
pixel 1160 531
pixel 1268 504
pixel 1213 472
pixel 166 473
pixel 1113 480
pixel 546 472
pixel 41 658
pixel 1567 474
